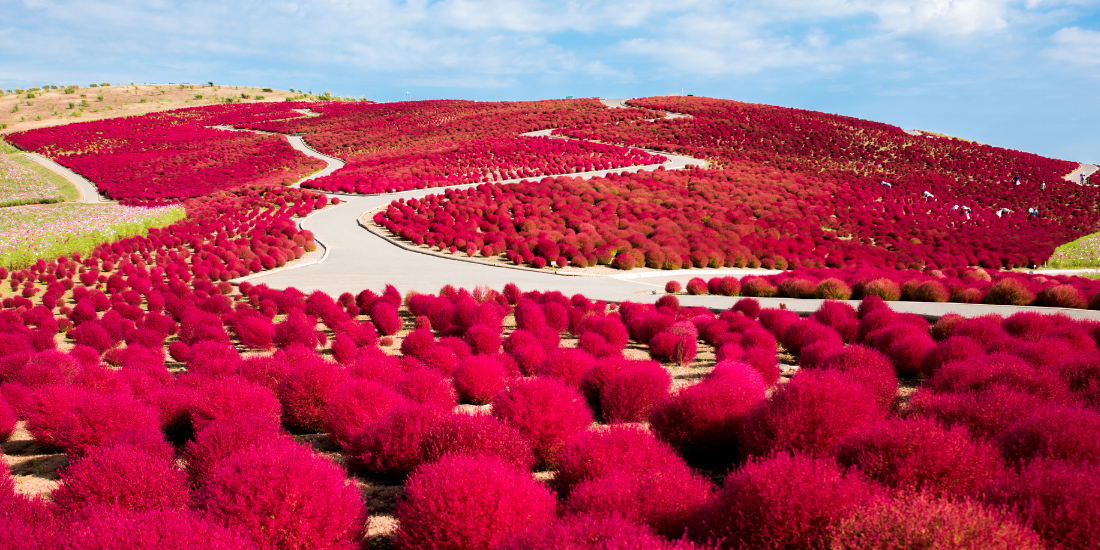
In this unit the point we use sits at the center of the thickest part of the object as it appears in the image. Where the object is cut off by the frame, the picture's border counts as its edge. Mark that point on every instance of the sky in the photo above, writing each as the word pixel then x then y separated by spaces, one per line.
pixel 1018 74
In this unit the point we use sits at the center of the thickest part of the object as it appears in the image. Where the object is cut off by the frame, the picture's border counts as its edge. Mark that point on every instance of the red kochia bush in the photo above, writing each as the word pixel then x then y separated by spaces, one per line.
pixel 224 436
pixel 285 497
pixel 391 445
pixel 385 318
pixel 663 500
pixel 918 454
pixel 96 417
pixel 703 421
pixel 122 476
pixel 545 411
pixel 811 414
pixel 630 395
pixel 7 421
pixel 477 434
pixel 233 396
pixel 921 521
pixel 1062 433
pixel 782 502
pixel 354 407
pixel 113 529
pixel 594 453
pixel 307 390
pixel 1057 499
pixel 436 512
pixel 479 379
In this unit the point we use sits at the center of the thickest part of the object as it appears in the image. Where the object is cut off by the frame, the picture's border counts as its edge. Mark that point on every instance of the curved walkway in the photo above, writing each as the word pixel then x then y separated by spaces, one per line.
pixel 1086 169
pixel 88 192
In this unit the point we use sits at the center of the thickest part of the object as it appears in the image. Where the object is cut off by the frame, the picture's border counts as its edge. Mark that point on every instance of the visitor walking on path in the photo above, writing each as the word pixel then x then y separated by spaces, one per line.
pixel 1017 179
pixel 1044 187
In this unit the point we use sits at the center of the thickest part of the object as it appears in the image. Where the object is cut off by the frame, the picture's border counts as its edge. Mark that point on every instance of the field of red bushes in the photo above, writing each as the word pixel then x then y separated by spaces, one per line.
pixel 160 157
pixel 794 188
pixel 745 216
pixel 967 286
pixel 663 426
pixel 187 412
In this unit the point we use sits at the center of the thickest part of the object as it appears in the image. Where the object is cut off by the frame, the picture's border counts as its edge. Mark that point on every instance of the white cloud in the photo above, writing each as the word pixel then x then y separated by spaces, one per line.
pixel 1076 46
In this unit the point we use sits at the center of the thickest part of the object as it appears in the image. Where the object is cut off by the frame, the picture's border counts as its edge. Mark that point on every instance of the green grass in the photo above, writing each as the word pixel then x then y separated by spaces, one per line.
pixel 28 233
pixel 68 190
pixel 7 148
pixel 1082 253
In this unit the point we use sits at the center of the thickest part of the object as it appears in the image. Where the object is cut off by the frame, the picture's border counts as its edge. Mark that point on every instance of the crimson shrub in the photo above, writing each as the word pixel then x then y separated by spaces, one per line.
pixel 436 513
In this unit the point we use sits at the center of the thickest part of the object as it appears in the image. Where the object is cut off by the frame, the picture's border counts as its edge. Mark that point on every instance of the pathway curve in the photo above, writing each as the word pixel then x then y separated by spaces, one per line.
pixel 356 259
pixel 1086 169
pixel 88 192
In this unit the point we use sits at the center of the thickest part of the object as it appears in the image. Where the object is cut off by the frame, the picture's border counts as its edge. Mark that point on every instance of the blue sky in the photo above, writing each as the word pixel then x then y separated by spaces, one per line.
pixel 1024 75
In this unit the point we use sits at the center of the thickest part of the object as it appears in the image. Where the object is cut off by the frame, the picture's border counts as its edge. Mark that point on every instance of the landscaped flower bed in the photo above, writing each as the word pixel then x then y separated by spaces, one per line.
pixel 748 215
pixel 160 157
pixel 479 161
pixel 21 185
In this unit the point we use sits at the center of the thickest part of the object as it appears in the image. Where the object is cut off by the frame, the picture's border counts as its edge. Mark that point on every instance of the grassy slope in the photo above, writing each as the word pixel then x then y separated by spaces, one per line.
pixel 52 108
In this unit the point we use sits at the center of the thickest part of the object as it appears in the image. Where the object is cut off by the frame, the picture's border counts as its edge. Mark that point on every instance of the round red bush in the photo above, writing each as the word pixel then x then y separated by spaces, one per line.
pixel 1057 499
pixel 307 390
pixel 225 436
pixel 355 407
pixel 391 446
pixel 811 414
pixel 7 421
pixel 630 395
pixel 479 379
pixel 833 289
pixel 113 529
pixel 477 434
pixel 121 476
pixel 919 455
pixel 436 512
pixel 697 286
pixel 673 287
pixel 665 501
pixel 1062 433
pixel 1010 291
pixel 233 396
pixel 703 421
pixel 427 386
pixel 595 453
pixel 782 502
pixel 883 288
pixel 385 318
pixel 94 418
pixel 546 412
pixel 921 521
pixel 285 497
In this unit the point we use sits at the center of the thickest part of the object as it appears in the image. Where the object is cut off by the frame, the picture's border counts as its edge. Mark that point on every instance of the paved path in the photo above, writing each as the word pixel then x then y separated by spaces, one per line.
pixel 334 163
pixel 1075 176
pixel 88 192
